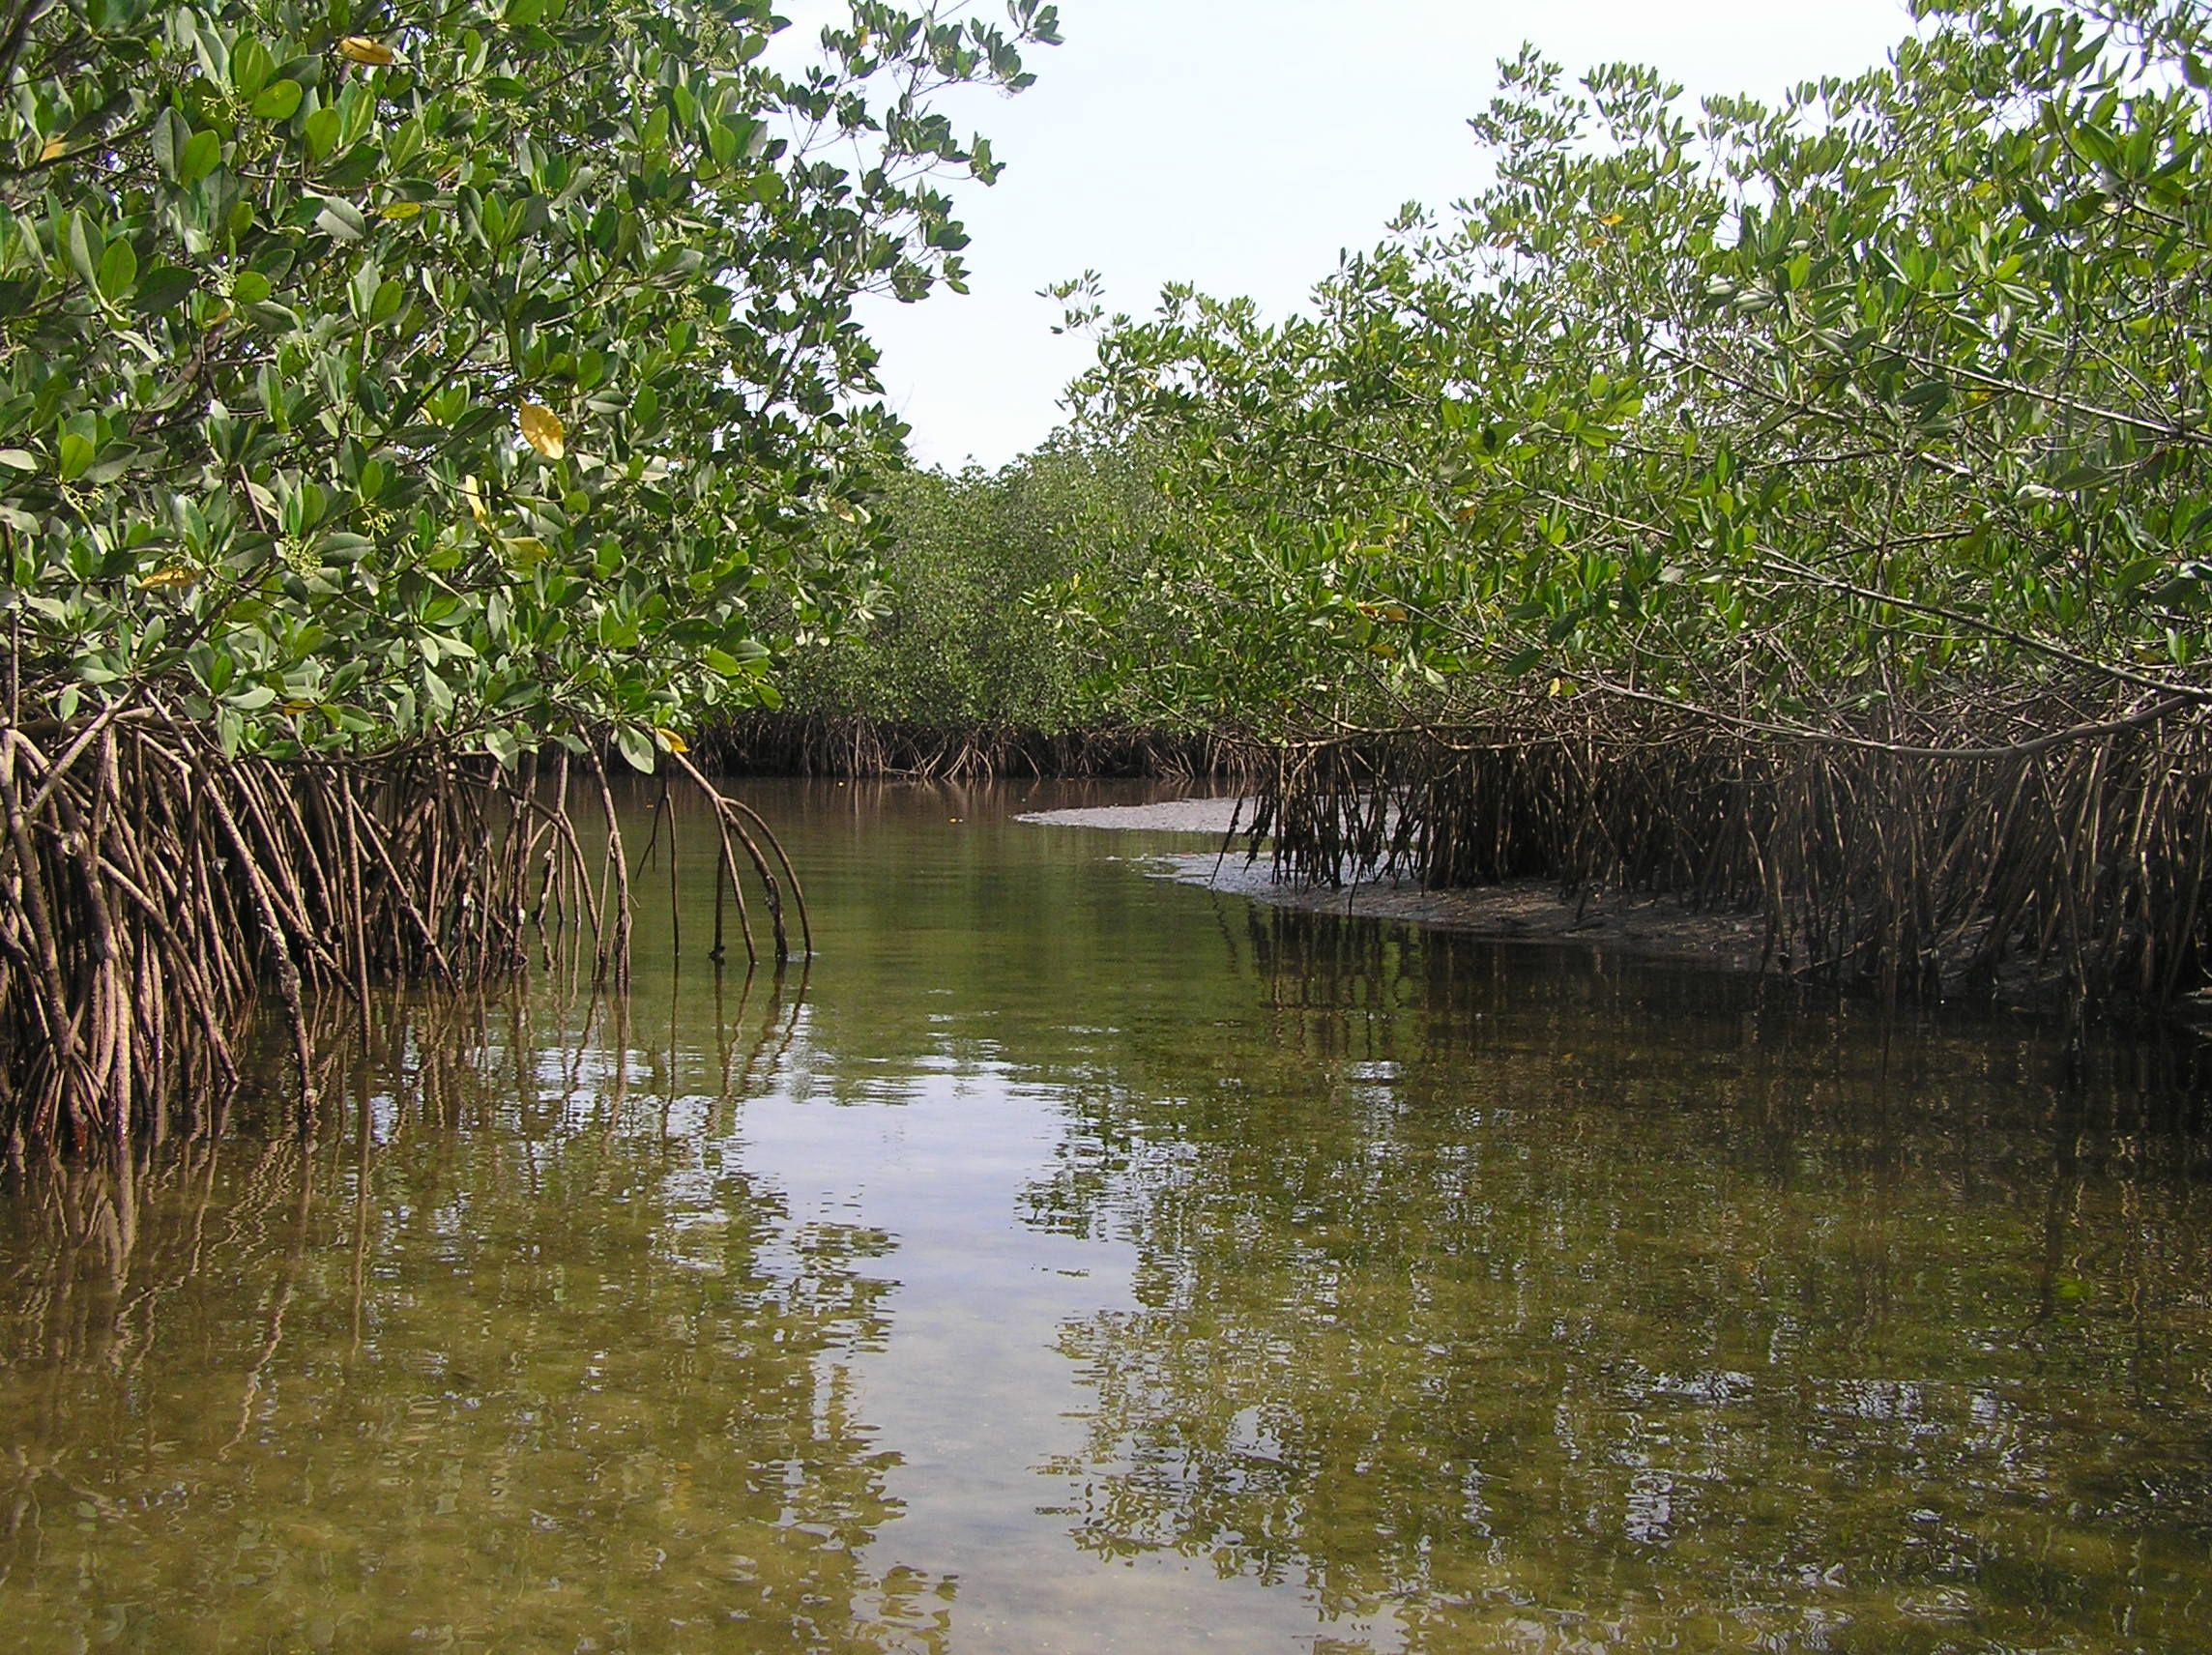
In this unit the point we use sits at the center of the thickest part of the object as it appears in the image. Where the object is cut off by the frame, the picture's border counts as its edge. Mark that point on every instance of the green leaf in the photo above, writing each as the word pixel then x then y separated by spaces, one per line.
pixel 321 131
pixel 118 270
pixel 251 67
pixel 201 155
pixel 280 101
pixel 340 220
pixel 170 135
pixel 438 693
pixel 2136 574
pixel 163 288
pixel 1521 663
pixel 636 748
pixel 363 289
pixel 403 144
pixel 78 242
pixel 74 457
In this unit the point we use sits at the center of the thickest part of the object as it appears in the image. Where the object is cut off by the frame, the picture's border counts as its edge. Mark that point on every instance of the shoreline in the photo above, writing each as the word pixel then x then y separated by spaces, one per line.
pixel 1518 911
pixel 1658 929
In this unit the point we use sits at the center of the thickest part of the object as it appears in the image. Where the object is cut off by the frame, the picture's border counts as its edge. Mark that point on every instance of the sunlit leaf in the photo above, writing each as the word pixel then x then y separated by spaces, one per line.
pixel 542 430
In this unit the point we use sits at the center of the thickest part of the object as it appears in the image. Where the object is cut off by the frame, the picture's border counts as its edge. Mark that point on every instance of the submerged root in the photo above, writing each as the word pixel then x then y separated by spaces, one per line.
pixel 1958 852
pixel 153 889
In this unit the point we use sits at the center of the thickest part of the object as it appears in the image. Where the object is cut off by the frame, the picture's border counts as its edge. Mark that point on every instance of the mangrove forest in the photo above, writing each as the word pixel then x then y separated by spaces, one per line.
pixel 1517 961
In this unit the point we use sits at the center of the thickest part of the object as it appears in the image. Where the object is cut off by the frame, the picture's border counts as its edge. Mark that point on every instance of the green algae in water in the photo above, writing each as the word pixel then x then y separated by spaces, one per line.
pixel 1067 1259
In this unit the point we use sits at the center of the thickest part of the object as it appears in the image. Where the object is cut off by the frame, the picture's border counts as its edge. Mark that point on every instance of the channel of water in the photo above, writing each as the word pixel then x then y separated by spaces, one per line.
pixel 1070 1260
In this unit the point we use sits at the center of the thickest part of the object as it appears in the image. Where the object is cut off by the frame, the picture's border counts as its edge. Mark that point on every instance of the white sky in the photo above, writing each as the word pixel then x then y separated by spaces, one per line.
pixel 1240 144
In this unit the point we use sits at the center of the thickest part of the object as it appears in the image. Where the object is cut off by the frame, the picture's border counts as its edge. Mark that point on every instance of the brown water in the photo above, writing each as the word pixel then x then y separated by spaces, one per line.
pixel 1072 1260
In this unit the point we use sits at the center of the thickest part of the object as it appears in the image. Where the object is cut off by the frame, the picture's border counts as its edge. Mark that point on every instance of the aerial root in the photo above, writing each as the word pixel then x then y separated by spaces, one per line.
pixel 153 888
pixel 1942 857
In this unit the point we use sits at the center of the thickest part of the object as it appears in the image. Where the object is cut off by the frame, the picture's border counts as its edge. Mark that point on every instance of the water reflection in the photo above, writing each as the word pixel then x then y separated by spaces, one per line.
pixel 1067 1261
pixel 517 1354
pixel 1627 1310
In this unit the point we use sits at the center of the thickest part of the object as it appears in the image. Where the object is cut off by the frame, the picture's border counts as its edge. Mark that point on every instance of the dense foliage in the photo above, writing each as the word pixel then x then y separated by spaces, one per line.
pixel 369 377
pixel 1801 506
pixel 379 391
pixel 971 565
pixel 1818 416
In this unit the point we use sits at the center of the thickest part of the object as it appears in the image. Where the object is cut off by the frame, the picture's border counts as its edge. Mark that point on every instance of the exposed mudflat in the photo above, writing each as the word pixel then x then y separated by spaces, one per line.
pixel 1169 816
pixel 1655 928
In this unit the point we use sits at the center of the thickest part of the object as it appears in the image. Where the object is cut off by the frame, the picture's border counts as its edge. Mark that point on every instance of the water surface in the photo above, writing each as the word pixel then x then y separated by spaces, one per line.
pixel 1064 1259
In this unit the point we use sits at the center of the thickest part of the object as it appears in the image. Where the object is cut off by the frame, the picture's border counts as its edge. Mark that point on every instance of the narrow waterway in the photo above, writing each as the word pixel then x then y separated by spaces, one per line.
pixel 1069 1260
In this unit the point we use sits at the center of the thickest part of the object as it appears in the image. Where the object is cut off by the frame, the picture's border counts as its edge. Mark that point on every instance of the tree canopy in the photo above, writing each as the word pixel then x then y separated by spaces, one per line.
pixel 1813 416
pixel 970 569
pixel 371 376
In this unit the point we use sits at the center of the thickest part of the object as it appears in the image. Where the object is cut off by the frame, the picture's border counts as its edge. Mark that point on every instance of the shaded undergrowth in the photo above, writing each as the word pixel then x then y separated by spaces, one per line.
pixel 840 745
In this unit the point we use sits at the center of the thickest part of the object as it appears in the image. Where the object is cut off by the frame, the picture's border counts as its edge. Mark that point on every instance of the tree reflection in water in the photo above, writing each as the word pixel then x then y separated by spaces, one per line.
pixel 1726 1325
pixel 512 1354
pixel 1432 1294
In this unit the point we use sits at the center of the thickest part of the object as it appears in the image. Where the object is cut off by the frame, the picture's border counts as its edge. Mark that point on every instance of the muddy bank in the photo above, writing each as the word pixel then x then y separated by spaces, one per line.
pixel 1214 816
pixel 1652 928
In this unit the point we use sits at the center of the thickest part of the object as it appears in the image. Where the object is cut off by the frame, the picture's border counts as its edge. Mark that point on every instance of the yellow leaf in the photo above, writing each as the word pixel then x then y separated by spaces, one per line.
pixel 175 575
pixel 671 740
pixel 400 209
pixel 51 147
pixel 359 49
pixel 474 495
pixel 1609 220
pixel 525 549
pixel 542 430
pixel 296 707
